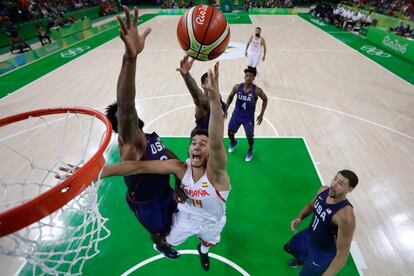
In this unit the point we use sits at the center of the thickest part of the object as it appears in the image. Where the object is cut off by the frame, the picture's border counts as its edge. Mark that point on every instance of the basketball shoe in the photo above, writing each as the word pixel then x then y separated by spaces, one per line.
pixel 204 258
pixel 167 250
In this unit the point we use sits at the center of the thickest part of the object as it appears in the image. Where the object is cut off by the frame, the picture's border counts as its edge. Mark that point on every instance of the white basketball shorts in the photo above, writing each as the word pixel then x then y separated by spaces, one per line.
pixel 186 224
pixel 253 60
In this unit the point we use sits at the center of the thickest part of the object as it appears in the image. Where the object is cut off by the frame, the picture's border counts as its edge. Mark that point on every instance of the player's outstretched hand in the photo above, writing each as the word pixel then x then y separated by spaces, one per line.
pixel 259 119
pixel 212 83
pixel 134 42
pixel 185 65
pixel 294 223
pixel 179 195
pixel 66 171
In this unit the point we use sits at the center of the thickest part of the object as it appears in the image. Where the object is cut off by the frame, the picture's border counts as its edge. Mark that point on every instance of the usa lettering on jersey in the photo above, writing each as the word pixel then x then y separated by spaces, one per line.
pixel 156 147
pixel 245 98
pixel 321 214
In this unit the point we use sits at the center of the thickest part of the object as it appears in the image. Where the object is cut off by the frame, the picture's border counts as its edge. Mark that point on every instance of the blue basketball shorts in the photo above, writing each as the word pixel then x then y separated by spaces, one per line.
pixel 237 121
pixel 155 215
pixel 315 260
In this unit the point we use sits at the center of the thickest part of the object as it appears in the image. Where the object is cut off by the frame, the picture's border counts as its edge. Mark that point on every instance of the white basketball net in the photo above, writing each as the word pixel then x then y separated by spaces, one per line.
pixel 32 152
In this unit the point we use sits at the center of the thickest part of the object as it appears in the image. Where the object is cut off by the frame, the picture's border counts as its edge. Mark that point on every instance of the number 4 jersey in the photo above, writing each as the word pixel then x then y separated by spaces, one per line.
pixel 203 199
pixel 246 102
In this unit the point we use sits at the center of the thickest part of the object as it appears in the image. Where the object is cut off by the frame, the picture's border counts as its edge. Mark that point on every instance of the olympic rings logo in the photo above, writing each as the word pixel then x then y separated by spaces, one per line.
pixel 74 51
pixel 372 50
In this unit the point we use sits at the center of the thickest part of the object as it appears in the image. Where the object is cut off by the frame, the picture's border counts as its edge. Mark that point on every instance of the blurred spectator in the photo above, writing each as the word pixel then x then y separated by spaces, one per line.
pixel 42 35
pixel 106 8
pixel 24 10
pixel 400 8
pixel 61 20
pixel 400 30
pixel 407 31
pixel 182 4
pixel 16 43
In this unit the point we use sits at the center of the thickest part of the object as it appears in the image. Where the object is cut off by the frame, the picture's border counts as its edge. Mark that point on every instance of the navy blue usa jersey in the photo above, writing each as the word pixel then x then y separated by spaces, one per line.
pixel 246 102
pixel 323 231
pixel 150 186
pixel 203 122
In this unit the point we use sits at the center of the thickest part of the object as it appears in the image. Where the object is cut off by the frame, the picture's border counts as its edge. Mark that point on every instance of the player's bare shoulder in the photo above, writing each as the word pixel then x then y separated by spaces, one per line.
pixel 260 92
pixel 235 88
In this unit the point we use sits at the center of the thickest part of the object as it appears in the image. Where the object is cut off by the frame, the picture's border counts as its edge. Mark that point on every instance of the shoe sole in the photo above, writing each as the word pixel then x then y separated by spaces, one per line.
pixel 155 248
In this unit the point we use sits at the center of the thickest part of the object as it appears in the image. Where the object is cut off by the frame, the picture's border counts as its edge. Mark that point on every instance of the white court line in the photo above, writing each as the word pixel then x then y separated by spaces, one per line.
pixel 292 101
pixel 190 252
pixel 313 160
pixel 192 106
pixel 358 258
pixel 165 114
pixel 355 252
pixel 267 121
pixel 344 114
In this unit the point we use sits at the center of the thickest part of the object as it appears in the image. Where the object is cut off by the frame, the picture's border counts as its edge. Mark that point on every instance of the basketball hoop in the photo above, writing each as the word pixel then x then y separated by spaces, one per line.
pixel 54 223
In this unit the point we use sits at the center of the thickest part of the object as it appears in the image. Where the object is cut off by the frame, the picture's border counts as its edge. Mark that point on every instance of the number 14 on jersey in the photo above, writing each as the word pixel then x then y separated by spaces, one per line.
pixel 197 203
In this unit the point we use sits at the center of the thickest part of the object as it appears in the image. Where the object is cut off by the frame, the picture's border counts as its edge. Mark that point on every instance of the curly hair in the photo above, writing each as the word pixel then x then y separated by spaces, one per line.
pixel 110 113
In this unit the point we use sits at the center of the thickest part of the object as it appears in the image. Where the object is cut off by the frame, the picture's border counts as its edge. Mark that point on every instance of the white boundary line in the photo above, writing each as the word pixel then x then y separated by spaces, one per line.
pixel 344 114
pixel 280 99
pixel 190 252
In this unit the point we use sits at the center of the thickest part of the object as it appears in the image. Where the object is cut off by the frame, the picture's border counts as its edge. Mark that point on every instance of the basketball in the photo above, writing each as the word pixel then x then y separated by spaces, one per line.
pixel 203 33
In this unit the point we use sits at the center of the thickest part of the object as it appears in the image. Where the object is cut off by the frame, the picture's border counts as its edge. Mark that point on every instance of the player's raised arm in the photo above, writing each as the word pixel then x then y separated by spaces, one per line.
pixel 216 166
pixel 134 44
pixel 185 66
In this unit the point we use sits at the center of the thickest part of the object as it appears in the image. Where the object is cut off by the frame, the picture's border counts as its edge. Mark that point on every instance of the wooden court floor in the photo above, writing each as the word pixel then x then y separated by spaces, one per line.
pixel 353 114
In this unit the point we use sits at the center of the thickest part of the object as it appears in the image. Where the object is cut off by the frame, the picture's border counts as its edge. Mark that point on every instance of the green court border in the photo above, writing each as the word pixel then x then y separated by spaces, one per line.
pixel 394 64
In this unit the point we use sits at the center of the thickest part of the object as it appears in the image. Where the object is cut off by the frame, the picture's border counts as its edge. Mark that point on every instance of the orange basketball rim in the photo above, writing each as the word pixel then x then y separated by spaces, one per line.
pixel 48 202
